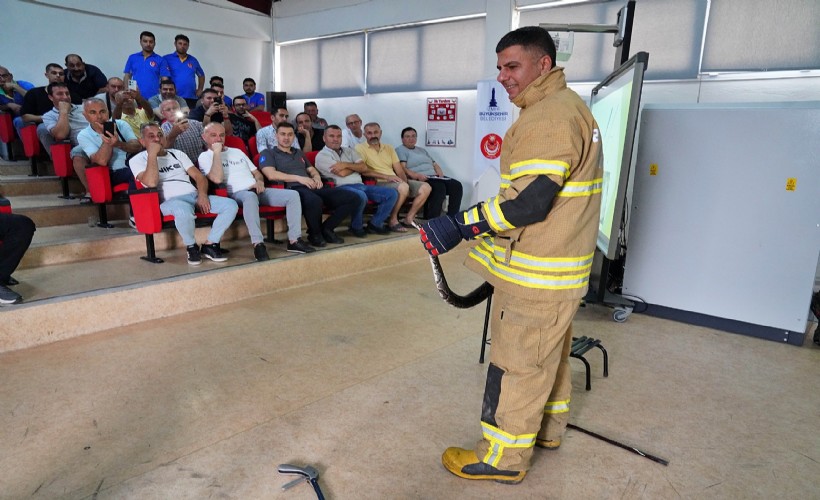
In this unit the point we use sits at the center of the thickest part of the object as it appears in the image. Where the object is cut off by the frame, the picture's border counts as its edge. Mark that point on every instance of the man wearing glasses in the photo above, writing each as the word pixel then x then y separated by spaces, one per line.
pixel 353 134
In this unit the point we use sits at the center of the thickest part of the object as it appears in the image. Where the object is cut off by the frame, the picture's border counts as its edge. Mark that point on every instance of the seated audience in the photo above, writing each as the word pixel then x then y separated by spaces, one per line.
pixel 105 148
pixel 65 122
pixel 16 232
pixel 245 125
pixel 344 166
pixel 219 82
pixel 131 108
pixel 285 164
pixel 310 138
pixel 109 96
pixel 212 109
pixel 246 185
pixel 12 92
pixel 419 165
pixel 171 172
pixel 84 80
pixel 256 101
pixel 312 109
pixel 383 164
pixel 353 135
pixel 181 132
pixel 167 90
pixel 146 66
pixel 186 72
pixel 266 136
pixel 36 102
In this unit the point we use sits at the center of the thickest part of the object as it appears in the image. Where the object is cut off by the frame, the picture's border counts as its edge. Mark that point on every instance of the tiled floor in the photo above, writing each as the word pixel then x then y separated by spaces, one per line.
pixel 368 378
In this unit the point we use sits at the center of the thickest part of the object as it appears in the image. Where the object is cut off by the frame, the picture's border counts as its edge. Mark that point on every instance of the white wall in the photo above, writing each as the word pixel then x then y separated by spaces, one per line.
pixel 232 43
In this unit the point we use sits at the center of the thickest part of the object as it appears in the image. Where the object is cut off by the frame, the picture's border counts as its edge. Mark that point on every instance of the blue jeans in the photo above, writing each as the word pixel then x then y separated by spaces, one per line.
pixel 249 201
pixel 385 199
pixel 183 207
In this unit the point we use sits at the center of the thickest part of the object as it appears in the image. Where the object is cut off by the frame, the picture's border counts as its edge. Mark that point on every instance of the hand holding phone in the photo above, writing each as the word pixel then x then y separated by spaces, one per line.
pixel 132 84
pixel 110 127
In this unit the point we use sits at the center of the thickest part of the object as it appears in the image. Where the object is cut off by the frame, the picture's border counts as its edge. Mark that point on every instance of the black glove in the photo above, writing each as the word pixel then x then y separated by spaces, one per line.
pixel 442 234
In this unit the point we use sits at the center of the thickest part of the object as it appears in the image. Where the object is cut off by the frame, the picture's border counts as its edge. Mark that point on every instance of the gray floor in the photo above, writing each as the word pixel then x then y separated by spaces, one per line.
pixel 368 378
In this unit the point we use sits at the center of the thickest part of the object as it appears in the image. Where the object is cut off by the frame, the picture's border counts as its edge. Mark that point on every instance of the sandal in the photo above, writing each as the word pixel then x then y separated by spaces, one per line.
pixel 398 228
pixel 407 225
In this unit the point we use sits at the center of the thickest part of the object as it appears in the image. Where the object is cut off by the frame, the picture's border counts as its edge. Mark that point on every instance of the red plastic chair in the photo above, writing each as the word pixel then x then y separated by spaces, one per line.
pixel 263 117
pixel 233 141
pixel 101 191
pixel 311 157
pixel 31 145
pixel 63 167
pixel 7 132
pixel 252 147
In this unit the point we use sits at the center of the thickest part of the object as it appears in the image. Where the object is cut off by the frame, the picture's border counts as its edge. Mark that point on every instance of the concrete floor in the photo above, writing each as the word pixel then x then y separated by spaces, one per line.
pixel 369 378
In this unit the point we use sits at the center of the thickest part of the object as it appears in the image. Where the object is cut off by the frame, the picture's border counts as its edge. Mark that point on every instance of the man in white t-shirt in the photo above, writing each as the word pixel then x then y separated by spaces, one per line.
pixel 171 171
pixel 246 185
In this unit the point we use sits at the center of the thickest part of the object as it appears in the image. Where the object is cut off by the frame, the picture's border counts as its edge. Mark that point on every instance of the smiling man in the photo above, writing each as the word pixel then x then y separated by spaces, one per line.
pixel 536 241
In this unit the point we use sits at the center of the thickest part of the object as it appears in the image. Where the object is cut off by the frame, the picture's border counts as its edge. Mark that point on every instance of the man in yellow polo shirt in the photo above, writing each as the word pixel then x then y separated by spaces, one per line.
pixel 383 165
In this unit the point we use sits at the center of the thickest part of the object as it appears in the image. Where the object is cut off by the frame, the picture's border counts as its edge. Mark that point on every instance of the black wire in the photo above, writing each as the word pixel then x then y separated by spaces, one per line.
pixel 637 300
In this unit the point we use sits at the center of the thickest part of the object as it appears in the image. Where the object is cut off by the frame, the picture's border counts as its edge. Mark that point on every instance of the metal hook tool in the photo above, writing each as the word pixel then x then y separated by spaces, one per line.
pixel 307 474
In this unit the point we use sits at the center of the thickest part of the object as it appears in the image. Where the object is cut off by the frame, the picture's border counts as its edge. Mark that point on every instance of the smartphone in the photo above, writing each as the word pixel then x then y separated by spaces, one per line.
pixel 181 115
pixel 218 100
pixel 132 84
pixel 110 128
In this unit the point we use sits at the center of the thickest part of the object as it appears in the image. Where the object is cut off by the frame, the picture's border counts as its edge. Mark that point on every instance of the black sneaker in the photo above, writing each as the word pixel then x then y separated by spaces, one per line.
pixel 260 252
pixel 372 228
pixel 194 257
pixel 300 247
pixel 10 282
pixel 359 233
pixel 9 296
pixel 213 252
pixel 332 237
pixel 316 241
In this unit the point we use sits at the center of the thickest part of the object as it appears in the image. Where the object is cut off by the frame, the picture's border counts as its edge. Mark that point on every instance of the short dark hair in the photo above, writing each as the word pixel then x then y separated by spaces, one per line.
pixel 147 33
pixel 53 65
pixel 334 127
pixel 52 86
pixel 181 37
pixel 167 81
pixel 215 77
pixel 248 80
pixel 296 118
pixel 147 125
pixel 209 91
pixel 73 55
pixel 532 38
pixel 277 107
pixel 286 124
pixel 242 97
pixel 407 129
pixel 216 84
pixel 311 103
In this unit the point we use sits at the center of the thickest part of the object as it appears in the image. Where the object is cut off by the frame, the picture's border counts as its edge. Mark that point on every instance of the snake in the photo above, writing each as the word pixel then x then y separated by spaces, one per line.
pixel 472 299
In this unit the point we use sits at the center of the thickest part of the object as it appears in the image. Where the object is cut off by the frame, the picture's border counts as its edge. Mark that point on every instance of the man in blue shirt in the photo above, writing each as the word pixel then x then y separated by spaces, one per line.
pixel 146 66
pixel 105 148
pixel 12 92
pixel 184 70
pixel 256 101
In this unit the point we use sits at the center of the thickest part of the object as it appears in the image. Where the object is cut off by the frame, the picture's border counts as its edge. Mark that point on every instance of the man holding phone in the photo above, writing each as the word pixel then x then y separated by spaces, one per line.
pixel 146 67
pixel 212 109
pixel 108 142
pixel 180 132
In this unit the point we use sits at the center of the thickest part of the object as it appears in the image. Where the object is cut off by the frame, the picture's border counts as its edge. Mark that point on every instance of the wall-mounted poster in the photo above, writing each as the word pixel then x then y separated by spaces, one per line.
pixel 441 121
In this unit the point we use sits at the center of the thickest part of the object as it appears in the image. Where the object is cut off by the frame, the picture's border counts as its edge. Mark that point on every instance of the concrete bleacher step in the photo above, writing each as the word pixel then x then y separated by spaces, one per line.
pixel 119 291
pixel 48 210
pixel 25 185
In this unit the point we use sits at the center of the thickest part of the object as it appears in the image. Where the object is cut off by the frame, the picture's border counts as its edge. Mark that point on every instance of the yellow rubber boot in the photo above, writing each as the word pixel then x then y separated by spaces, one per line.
pixel 548 445
pixel 465 463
